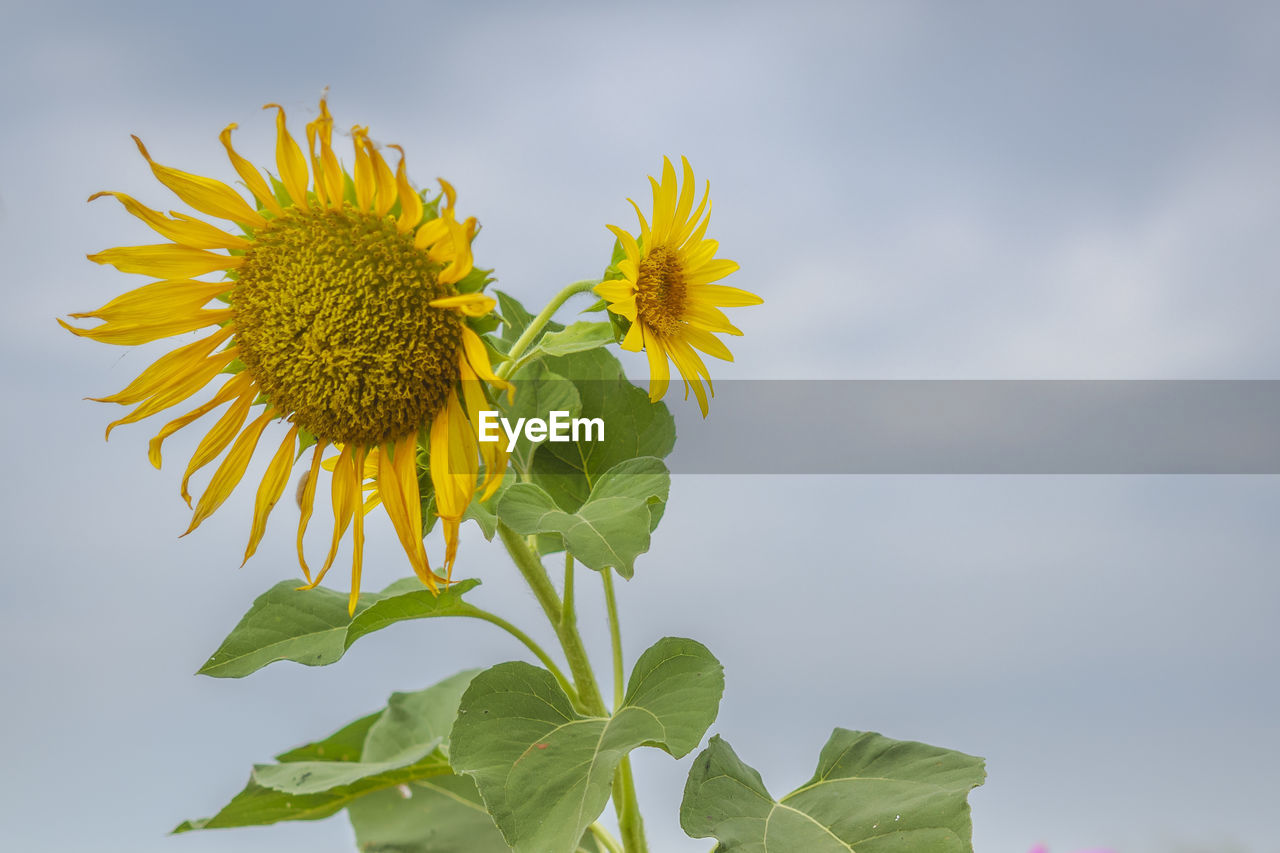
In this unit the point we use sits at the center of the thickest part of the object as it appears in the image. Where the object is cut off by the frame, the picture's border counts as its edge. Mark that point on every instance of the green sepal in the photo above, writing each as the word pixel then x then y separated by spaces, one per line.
pixel 544 770
pixel 870 793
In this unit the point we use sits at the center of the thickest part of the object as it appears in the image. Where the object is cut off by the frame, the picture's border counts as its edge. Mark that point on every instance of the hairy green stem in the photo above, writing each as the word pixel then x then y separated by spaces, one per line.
pixel 535 574
pixel 615 637
pixel 602 835
pixel 630 821
pixel 530 644
pixel 540 322
pixel 568 615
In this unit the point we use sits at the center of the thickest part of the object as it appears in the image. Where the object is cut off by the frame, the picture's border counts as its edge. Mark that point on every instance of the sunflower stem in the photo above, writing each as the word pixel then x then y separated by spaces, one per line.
pixel 540 322
pixel 568 615
pixel 630 821
pixel 615 637
pixel 604 837
pixel 535 574
pixel 492 618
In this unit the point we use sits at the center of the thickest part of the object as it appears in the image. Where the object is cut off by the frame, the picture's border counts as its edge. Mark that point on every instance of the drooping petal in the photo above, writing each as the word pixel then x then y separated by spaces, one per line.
pixel 397 479
pixel 357 536
pixel 216 439
pixel 478 357
pixel 453 460
pixel 193 233
pixel 659 374
pixel 134 332
pixel 228 475
pixel 492 453
pixel 249 173
pixel 410 203
pixel 363 177
pixel 384 180
pixel 204 194
pixel 290 161
pixel 306 502
pixel 237 386
pixel 345 494
pixel 166 368
pixel 270 489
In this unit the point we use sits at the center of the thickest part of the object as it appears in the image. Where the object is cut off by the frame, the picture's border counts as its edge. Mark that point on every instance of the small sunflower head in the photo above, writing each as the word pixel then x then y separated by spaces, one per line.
pixel 664 286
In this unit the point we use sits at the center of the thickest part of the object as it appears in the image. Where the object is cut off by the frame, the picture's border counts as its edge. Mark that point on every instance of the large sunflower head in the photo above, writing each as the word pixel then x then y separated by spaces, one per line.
pixel 665 286
pixel 341 308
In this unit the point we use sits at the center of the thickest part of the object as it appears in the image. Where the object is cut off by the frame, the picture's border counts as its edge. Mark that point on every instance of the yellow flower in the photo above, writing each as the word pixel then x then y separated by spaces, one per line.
pixel 341 316
pixel 666 288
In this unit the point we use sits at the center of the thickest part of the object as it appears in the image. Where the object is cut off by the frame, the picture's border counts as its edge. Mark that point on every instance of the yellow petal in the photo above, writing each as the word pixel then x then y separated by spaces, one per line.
pixel 628 243
pixel 410 203
pixel 365 186
pixel 681 235
pixel 708 343
pixel 306 501
pixel 188 232
pixel 397 478
pixel 492 453
pixel 357 539
pixel 345 496
pixel 290 161
pixel 159 300
pixel 238 385
pixel 165 260
pixel 681 215
pixel 711 271
pixel 332 170
pixel 659 373
pixel 453 460
pixel 131 333
pixel 270 489
pixel 664 203
pixel 165 368
pixel 615 290
pixel 478 357
pixel 204 194
pixel 216 439
pixel 249 173
pixel 228 475
pixel 729 297
pixel 634 340
pixel 471 304
pixel 703 316
pixel 383 179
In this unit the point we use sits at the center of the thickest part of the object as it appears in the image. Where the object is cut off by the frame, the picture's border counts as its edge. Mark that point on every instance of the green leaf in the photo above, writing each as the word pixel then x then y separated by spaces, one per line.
pixel 612 526
pixel 310 790
pixel 544 770
pixel 539 393
pixel 312 627
pixel 633 426
pixel 421 603
pixel 440 815
pixel 579 337
pixel 404 743
pixel 346 744
pixel 870 794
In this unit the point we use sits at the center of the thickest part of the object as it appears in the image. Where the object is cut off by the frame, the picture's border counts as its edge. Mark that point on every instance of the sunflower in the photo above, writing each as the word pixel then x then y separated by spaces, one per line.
pixel 666 291
pixel 339 312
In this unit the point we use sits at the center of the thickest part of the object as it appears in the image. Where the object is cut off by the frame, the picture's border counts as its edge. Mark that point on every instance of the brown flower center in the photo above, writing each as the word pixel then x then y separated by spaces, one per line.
pixel 661 291
pixel 333 321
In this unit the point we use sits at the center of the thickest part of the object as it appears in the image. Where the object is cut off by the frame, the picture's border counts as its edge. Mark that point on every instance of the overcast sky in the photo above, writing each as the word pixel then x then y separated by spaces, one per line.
pixel 941 191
